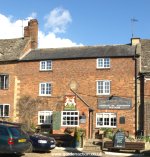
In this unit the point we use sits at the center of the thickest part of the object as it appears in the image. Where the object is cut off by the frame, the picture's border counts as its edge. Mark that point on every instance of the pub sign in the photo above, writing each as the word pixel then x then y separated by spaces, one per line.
pixel 70 102
pixel 115 103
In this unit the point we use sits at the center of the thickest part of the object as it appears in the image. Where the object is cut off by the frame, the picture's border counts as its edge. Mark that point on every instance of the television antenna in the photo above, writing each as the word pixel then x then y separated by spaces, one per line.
pixel 133 20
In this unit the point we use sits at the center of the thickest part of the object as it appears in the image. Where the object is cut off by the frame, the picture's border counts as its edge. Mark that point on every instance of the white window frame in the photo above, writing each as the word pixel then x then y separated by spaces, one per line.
pixel 45 114
pixel 71 116
pixel 106 115
pixel 47 65
pixel 45 89
pixel 3 112
pixel 103 63
pixel 104 86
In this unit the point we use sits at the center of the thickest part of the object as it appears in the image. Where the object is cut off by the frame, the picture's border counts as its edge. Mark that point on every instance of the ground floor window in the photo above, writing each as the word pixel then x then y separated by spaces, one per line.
pixel 70 118
pixel 4 110
pixel 44 117
pixel 106 120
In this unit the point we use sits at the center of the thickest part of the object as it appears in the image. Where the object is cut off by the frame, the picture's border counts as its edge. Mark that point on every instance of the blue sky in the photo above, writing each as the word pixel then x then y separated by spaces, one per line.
pixel 77 22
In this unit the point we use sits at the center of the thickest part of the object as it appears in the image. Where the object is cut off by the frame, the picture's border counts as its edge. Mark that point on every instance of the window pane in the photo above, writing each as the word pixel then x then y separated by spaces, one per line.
pixel 6 82
pixel 106 119
pixel 6 110
pixel 42 88
pixel 48 88
pixel 1 110
pixel 45 117
pixel 72 118
pixel 48 65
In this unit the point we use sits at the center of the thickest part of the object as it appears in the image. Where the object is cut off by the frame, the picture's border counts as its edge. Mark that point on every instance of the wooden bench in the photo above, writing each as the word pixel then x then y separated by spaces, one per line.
pixel 137 146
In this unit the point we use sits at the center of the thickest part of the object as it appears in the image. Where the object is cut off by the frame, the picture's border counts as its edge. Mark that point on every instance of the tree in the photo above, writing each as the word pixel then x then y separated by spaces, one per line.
pixel 27 108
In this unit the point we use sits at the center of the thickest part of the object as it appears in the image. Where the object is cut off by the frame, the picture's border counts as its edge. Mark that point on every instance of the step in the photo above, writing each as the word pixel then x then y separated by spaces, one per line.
pixel 93 148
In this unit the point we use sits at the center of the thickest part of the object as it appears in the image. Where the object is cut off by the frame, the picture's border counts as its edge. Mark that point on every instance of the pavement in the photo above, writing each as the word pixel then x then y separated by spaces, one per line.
pixel 79 152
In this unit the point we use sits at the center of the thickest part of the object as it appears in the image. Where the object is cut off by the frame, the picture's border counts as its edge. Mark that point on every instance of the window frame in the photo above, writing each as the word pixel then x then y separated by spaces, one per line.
pixel 62 116
pixel 103 63
pixel 46 65
pixel 43 113
pixel 111 115
pixel 104 87
pixel 45 84
pixel 4 114
pixel 5 84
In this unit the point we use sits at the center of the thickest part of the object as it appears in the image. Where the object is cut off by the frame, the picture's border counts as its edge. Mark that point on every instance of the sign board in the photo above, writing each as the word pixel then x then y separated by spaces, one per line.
pixel 70 103
pixel 117 103
pixel 119 140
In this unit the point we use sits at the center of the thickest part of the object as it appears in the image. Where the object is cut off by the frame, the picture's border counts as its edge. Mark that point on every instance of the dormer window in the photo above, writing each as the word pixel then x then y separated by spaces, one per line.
pixel 103 63
pixel 46 65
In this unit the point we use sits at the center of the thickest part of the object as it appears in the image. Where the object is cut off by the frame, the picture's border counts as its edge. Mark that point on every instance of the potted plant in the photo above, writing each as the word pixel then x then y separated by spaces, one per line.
pixel 78 136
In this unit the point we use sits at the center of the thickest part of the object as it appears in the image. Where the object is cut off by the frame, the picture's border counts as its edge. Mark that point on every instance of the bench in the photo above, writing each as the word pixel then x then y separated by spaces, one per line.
pixel 137 146
pixel 63 140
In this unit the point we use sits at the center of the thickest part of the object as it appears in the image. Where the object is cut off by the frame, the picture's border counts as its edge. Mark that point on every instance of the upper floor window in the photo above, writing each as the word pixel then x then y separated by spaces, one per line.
pixel 70 118
pixel 106 120
pixel 4 110
pixel 45 117
pixel 45 89
pixel 4 79
pixel 103 63
pixel 46 65
pixel 103 87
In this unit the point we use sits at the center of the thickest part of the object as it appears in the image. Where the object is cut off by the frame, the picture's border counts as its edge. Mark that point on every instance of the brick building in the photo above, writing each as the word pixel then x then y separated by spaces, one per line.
pixel 11 50
pixel 89 87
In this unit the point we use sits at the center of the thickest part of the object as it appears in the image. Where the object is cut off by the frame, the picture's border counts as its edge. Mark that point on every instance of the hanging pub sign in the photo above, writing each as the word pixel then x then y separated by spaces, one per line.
pixel 70 102
pixel 114 103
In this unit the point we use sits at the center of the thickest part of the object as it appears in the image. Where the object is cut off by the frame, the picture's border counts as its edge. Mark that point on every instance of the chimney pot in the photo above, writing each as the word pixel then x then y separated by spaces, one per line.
pixel 32 31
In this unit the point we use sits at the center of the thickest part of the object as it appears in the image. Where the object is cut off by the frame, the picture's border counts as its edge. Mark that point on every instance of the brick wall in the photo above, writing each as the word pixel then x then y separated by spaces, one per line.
pixel 147 106
pixel 85 74
pixel 7 96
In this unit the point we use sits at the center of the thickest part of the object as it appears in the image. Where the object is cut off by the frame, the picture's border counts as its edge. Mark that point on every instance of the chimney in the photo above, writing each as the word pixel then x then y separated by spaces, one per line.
pixel 32 31
pixel 135 41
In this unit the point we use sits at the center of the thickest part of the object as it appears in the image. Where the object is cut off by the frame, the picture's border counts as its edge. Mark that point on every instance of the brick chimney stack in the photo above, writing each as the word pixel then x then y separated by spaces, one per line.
pixel 32 31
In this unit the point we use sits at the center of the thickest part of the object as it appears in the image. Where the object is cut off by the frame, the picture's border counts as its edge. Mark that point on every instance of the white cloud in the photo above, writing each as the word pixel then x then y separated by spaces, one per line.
pixel 57 20
pixel 10 28
pixel 51 41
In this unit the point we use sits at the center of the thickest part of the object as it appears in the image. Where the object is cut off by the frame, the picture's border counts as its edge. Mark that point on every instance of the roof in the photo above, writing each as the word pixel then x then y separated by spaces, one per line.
pixel 81 52
pixel 12 49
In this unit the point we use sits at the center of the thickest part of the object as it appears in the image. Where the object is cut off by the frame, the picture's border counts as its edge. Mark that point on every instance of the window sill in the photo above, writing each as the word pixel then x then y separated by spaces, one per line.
pixel 45 70
pixel 97 127
pixel 103 94
pixel 46 95
pixel 103 68
pixel 69 125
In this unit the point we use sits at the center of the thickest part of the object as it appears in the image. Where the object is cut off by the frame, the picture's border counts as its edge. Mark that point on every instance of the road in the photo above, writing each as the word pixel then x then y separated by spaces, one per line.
pixel 74 153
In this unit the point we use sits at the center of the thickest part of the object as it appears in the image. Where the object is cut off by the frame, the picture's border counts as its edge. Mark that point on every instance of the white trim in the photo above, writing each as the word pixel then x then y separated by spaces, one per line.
pixel 45 69
pixel 45 91
pixel 103 60
pixel 103 114
pixel 104 81
pixel 39 114
pixel 70 116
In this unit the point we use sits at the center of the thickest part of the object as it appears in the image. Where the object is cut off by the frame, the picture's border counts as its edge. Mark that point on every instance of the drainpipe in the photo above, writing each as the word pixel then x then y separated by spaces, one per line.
pixel 90 126
pixel 136 96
